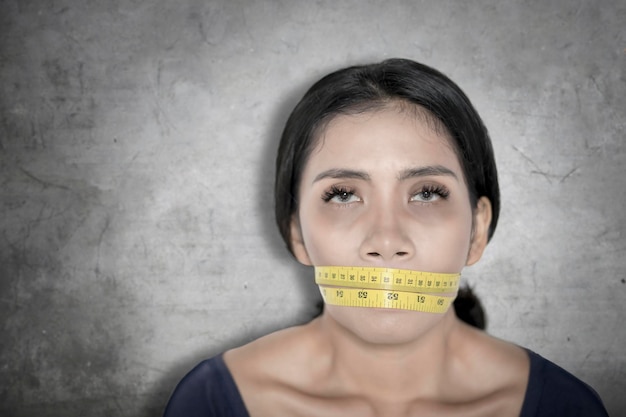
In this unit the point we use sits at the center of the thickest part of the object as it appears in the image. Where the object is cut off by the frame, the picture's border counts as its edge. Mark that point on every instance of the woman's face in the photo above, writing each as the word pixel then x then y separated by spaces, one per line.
pixel 384 189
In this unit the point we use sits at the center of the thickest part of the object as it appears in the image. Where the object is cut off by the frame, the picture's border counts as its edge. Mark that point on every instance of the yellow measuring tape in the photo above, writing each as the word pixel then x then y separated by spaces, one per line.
pixel 387 288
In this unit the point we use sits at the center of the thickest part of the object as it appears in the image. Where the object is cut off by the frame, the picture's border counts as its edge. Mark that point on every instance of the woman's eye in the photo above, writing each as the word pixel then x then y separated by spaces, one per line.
pixel 430 194
pixel 340 196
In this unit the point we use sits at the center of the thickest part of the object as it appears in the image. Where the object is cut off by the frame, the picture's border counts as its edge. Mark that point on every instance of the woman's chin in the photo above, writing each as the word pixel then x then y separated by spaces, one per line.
pixel 384 326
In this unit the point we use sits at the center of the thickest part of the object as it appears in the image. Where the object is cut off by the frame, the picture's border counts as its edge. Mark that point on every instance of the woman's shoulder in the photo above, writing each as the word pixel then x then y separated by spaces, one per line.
pixel 272 356
pixel 275 370
pixel 207 390
pixel 554 391
pixel 218 386
pixel 499 365
pixel 548 389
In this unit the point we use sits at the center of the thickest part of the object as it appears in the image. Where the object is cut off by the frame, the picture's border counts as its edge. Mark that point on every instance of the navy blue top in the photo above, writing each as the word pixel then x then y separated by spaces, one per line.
pixel 209 390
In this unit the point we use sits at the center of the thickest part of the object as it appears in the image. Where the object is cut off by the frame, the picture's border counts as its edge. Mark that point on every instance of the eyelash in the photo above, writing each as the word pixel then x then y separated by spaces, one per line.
pixel 336 191
pixel 433 190
pixel 427 192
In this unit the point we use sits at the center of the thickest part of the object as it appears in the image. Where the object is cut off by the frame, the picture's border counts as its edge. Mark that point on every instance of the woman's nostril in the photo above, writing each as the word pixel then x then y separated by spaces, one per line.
pixel 402 253
pixel 373 254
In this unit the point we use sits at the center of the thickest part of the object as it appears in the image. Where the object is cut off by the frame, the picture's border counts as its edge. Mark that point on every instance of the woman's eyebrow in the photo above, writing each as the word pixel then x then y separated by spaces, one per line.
pixel 431 170
pixel 342 173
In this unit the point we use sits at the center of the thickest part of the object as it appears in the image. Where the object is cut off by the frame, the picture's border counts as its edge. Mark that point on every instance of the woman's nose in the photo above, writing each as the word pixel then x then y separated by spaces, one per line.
pixel 387 237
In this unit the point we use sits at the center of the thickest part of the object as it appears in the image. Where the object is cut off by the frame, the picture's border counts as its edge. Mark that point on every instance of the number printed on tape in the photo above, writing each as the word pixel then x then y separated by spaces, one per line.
pixel 375 298
pixel 387 279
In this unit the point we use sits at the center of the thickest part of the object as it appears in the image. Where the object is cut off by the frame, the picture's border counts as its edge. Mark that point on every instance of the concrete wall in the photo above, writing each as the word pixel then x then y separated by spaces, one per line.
pixel 136 162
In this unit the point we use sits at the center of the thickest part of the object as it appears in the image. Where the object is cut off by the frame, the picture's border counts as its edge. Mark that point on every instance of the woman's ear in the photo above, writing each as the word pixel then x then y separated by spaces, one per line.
pixel 297 243
pixel 480 230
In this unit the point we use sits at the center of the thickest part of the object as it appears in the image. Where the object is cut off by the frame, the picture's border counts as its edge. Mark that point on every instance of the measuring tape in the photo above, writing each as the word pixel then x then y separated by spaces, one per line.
pixel 387 288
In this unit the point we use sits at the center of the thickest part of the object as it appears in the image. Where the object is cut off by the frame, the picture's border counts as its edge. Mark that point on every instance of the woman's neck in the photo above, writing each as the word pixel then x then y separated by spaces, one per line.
pixel 405 371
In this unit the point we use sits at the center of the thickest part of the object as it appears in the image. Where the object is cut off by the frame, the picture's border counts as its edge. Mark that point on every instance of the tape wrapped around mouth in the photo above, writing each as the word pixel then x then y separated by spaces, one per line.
pixel 387 288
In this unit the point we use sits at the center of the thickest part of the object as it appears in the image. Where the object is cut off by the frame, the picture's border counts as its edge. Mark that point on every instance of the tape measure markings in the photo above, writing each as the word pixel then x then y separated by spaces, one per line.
pixel 387 279
pixel 367 297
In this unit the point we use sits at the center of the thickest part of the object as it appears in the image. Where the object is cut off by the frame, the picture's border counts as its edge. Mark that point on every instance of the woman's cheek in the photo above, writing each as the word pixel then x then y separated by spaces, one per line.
pixel 331 234
pixel 443 235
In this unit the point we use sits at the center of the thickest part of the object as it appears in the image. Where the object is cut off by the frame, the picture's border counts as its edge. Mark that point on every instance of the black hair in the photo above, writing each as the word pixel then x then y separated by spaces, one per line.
pixel 469 309
pixel 361 88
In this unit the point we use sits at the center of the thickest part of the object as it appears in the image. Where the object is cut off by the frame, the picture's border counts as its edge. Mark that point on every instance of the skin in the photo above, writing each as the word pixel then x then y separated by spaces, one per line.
pixel 383 189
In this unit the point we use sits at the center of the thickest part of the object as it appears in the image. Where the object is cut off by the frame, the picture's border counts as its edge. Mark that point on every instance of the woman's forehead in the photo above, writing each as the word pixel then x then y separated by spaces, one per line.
pixel 385 142
pixel 383 128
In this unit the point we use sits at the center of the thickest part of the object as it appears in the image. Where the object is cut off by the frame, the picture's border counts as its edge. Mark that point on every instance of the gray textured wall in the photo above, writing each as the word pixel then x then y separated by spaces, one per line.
pixel 136 163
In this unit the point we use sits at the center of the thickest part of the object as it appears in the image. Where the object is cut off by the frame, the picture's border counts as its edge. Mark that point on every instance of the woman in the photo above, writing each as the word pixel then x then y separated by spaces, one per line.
pixel 384 167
